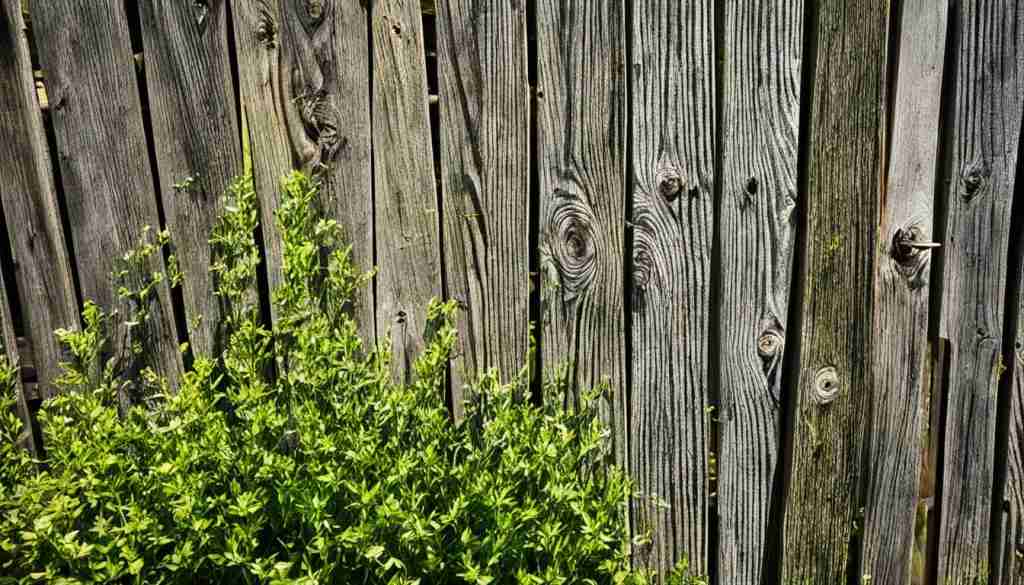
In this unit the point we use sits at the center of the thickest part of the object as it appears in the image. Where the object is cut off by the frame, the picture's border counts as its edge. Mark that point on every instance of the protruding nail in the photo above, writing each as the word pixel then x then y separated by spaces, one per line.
pixel 922 245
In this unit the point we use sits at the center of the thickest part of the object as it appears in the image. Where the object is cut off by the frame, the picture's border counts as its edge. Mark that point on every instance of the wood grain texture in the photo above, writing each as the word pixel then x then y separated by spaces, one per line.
pixel 325 98
pixel 485 165
pixel 257 29
pixel 673 124
pixel 903 273
pixel 763 50
pixel 581 107
pixel 9 349
pixel 405 194
pixel 195 134
pixel 845 183
pixel 29 199
pixel 989 97
pixel 108 185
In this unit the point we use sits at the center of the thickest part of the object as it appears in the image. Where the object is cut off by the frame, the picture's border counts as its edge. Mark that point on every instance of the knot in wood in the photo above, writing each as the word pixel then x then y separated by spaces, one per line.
pixel 266 29
pixel 826 386
pixel 572 241
pixel 751 186
pixel 908 250
pixel 973 178
pixel 769 344
pixel 315 9
pixel 320 119
pixel 202 8
pixel 643 263
pixel 670 184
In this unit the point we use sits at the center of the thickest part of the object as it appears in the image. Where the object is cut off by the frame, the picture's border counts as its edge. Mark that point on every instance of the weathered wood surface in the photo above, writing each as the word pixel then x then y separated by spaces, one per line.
pixel 257 29
pixel 26 358
pixel 581 109
pixel 9 349
pixel 761 72
pixel 29 199
pixel 485 165
pixel 196 137
pixel 989 97
pixel 673 161
pixel 325 97
pixel 845 175
pixel 405 194
pixel 108 186
pixel 903 272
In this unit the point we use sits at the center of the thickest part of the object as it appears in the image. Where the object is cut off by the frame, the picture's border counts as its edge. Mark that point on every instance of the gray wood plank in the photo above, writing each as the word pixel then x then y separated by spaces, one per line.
pixel 195 134
pixel 257 28
pixel 673 163
pixel 763 49
pixel 405 194
pixel 580 113
pixel 325 98
pixel 485 162
pixel 43 271
pixel 9 349
pixel 845 183
pixel 903 272
pixel 97 116
pixel 989 98
pixel 1012 568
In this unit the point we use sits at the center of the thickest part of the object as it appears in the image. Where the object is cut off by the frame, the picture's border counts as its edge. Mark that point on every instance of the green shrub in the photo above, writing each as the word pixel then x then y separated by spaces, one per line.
pixel 291 457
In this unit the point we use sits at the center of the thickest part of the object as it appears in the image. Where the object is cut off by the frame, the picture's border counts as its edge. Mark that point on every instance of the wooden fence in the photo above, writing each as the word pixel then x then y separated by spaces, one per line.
pixel 788 233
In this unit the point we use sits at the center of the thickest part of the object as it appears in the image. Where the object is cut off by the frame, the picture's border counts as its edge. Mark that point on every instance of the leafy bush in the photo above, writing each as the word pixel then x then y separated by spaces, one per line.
pixel 291 457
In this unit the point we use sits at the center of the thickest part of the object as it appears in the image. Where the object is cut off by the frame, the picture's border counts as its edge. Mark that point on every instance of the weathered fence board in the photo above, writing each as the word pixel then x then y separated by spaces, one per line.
pixel 108 185
pixel 673 163
pixel 761 100
pixel 903 273
pixel 981 179
pixel 581 106
pixel 257 30
pixel 845 173
pixel 9 348
pixel 901 295
pixel 45 285
pixel 624 106
pixel 1012 567
pixel 405 195
pixel 485 162
pixel 325 97
pixel 196 138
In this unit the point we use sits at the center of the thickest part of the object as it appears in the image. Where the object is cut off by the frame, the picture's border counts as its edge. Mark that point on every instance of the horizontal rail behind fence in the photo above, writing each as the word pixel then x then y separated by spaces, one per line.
pixel 785 233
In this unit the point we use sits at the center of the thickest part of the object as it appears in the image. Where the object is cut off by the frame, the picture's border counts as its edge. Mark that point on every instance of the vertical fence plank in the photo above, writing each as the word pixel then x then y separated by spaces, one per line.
pixel 845 173
pixel 903 272
pixel 485 149
pixel 257 29
pixel 673 163
pixel 981 178
pixel 195 134
pixel 581 97
pixel 761 101
pixel 325 97
pixel 108 185
pixel 1012 567
pixel 9 349
pixel 405 194
pixel 43 270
